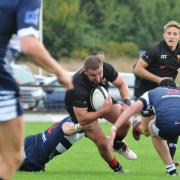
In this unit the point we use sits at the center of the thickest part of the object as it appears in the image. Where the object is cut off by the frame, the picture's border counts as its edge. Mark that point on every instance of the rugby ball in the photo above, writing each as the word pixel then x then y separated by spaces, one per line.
pixel 97 97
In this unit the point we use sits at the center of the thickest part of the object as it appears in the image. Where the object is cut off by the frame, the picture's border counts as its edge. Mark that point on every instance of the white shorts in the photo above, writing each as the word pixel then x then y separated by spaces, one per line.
pixel 10 107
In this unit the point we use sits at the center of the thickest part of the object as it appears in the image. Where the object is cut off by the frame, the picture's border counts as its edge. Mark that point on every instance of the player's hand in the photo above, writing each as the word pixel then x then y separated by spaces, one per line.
pixel 125 106
pixel 88 127
pixel 107 104
pixel 162 78
pixel 65 79
pixel 68 128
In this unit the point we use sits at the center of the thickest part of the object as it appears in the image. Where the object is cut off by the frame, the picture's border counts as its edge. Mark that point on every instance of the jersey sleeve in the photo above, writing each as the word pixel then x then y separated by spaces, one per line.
pixel 28 17
pixel 80 98
pixel 109 72
pixel 147 109
pixel 149 55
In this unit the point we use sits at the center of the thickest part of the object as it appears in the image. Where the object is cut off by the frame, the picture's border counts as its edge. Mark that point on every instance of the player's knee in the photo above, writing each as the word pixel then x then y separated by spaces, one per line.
pixel 145 130
pixel 147 134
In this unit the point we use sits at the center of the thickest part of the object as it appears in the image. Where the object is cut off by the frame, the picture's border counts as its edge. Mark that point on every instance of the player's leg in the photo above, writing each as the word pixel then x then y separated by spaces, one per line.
pixel 162 148
pixel 136 128
pixel 112 116
pixel 145 124
pixel 11 146
pixel 98 137
pixel 172 144
pixel 163 151
pixel 141 127
pixel 119 145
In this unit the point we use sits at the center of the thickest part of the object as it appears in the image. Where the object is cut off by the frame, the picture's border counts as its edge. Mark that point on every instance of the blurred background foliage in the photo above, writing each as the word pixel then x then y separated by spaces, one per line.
pixel 77 28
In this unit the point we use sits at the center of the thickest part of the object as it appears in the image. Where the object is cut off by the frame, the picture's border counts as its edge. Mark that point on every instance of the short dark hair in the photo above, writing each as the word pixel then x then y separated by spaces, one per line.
pixel 92 62
pixel 167 83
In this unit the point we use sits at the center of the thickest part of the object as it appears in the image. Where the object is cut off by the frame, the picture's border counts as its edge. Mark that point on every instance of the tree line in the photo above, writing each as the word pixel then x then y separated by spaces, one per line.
pixel 76 28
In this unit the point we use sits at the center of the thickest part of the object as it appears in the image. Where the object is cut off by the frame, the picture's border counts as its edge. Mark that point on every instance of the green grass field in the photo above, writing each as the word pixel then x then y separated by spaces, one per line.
pixel 82 161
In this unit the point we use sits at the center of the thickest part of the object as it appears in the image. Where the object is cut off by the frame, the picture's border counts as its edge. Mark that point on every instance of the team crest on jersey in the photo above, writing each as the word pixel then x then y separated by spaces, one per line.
pixel 178 57
pixel 32 17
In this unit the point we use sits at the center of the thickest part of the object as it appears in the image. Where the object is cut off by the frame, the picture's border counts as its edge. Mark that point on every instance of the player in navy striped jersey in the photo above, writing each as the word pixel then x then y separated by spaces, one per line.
pixel 164 101
pixel 40 148
pixel 19 17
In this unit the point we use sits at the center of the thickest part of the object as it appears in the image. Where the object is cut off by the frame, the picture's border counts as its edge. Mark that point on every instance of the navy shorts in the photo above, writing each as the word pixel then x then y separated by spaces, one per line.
pixel 169 130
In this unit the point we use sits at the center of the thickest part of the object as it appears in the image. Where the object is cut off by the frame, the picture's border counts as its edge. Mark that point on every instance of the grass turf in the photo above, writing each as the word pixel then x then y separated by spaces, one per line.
pixel 82 161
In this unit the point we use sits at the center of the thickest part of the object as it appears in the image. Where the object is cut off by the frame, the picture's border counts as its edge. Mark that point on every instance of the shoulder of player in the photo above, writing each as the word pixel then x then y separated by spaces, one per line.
pixel 155 48
pixel 107 66
pixel 79 79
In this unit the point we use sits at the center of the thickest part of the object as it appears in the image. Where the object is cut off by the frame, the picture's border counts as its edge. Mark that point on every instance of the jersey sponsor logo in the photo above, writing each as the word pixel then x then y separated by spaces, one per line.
pixel 163 56
pixel 32 17
pixel 84 103
pixel 43 137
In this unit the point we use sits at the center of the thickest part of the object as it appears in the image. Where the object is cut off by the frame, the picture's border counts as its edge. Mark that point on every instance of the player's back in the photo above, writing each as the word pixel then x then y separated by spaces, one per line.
pixel 166 102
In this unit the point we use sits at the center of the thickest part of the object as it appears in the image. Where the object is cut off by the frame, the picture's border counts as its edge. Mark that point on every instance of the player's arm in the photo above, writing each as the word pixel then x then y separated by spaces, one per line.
pixel 131 110
pixel 71 128
pixel 33 47
pixel 120 83
pixel 85 117
pixel 141 71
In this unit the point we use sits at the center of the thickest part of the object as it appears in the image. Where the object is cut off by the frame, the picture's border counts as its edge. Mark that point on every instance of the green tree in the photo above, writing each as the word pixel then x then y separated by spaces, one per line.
pixel 61 22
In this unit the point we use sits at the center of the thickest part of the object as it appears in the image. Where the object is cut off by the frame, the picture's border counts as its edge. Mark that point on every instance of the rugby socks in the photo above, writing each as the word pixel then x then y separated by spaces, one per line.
pixel 117 143
pixel 114 164
pixel 172 147
pixel 171 169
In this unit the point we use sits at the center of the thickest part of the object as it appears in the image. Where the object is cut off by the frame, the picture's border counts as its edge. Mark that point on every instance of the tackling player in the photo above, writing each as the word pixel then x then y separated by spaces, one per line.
pixel 164 101
pixel 40 148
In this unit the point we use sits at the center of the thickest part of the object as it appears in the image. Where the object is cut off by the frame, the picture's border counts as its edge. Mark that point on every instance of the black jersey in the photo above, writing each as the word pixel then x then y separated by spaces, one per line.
pixel 80 95
pixel 162 62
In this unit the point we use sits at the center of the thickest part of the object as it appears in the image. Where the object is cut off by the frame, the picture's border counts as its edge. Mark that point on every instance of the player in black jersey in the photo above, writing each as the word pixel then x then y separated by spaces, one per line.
pixel 155 64
pixel 96 72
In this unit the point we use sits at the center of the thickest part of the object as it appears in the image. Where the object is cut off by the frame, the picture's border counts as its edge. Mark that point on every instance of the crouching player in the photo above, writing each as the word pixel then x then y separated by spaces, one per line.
pixel 164 101
pixel 40 148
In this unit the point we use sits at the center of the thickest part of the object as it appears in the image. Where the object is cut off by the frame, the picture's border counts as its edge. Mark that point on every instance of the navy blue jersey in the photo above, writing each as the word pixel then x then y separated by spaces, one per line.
pixel 165 103
pixel 41 148
pixel 18 18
